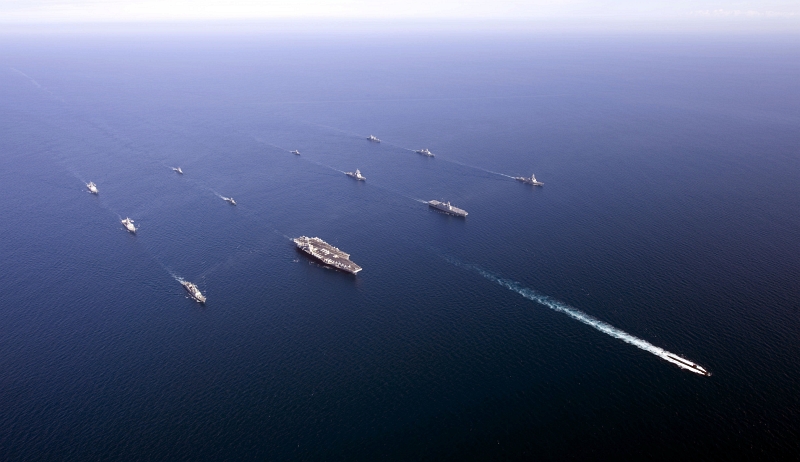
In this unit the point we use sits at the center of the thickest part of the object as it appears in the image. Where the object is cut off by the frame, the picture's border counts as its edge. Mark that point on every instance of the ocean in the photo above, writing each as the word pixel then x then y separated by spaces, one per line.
pixel 670 214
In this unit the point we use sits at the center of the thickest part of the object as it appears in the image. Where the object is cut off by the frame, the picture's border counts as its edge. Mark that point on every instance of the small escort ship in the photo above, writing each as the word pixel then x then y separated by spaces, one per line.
pixel 92 188
pixel 373 139
pixel 425 152
pixel 229 200
pixel 296 152
pixel 194 292
pixel 447 208
pixel 326 253
pixel 357 175
pixel 178 170
pixel 128 224
pixel 531 181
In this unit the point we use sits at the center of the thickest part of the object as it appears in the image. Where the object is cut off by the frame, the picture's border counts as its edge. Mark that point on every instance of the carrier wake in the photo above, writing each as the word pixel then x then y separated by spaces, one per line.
pixel 578 315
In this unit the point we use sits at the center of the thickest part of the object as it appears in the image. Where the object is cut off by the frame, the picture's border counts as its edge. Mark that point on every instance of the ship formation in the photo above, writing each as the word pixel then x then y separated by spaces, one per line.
pixel 531 181
pixel 447 208
pixel 357 175
pixel 92 188
pixel 326 253
pixel 194 292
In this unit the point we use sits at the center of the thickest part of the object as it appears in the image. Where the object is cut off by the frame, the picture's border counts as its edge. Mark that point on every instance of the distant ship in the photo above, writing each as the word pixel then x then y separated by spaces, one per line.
pixel 326 253
pixel 373 139
pixel 447 208
pixel 229 200
pixel 531 181
pixel 357 175
pixel 425 152
pixel 177 169
pixel 296 152
pixel 92 188
pixel 128 224
pixel 194 292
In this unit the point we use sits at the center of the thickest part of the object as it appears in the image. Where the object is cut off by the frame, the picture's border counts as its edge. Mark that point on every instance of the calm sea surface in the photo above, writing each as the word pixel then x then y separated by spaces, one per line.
pixel 670 211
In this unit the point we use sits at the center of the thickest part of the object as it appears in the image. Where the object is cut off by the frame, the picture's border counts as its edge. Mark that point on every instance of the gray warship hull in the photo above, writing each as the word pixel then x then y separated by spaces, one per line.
pixel 326 253
pixel 448 209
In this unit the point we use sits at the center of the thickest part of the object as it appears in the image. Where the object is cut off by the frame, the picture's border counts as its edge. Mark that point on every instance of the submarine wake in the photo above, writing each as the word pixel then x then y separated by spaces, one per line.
pixel 590 321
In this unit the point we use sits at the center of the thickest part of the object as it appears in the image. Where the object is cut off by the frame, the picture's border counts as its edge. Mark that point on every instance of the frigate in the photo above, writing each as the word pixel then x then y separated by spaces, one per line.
pixel 326 253
pixel 177 170
pixel 447 208
pixel 373 139
pixel 425 152
pixel 128 224
pixel 92 188
pixel 296 152
pixel 194 292
pixel 229 200
pixel 357 175
pixel 531 181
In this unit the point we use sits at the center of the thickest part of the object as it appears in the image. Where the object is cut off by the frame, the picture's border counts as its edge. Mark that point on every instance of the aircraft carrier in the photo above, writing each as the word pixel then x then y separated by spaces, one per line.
pixel 326 253
pixel 447 208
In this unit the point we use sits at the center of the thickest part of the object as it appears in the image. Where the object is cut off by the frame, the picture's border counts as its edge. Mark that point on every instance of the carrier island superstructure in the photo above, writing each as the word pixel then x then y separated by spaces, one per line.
pixel 326 253
pixel 447 208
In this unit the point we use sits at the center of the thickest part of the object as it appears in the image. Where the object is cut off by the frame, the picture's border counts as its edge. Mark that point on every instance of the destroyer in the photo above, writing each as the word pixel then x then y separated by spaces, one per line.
pixel 296 152
pixel 531 181
pixel 194 292
pixel 425 152
pixel 128 224
pixel 357 175
pixel 229 200
pixel 447 208
pixel 373 139
pixel 92 188
pixel 326 253
pixel 178 170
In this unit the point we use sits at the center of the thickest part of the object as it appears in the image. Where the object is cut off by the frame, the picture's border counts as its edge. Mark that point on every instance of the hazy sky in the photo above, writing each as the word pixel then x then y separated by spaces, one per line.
pixel 763 12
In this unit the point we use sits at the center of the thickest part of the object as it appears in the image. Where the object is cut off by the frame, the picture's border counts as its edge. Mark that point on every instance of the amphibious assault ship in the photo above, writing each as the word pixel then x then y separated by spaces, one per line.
pixel 373 139
pixel 92 188
pixel 194 292
pixel 447 208
pixel 326 253
pixel 128 224
pixel 531 181
pixel 425 152
pixel 357 175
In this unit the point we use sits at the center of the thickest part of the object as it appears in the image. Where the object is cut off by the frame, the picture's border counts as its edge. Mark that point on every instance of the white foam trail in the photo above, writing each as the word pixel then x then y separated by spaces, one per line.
pixel 477 168
pixel 590 321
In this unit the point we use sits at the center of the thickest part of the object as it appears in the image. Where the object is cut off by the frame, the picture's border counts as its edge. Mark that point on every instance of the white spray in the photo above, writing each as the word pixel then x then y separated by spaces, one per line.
pixel 578 315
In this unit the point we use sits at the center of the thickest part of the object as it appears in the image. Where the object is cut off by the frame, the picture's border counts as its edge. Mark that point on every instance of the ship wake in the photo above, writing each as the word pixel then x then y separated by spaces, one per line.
pixel 587 319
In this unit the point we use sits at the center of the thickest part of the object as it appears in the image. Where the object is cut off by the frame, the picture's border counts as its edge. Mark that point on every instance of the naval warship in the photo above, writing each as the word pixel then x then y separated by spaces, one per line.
pixel 357 175
pixel 92 188
pixel 229 200
pixel 177 170
pixel 326 253
pixel 373 138
pixel 531 181
pixel 425 152
pixel 128 224
pixel 447 208
pixel 194 292
pixel 296 152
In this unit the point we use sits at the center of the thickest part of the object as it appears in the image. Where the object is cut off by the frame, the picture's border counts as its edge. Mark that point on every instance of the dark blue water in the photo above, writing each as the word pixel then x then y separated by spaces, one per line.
pixel 671 211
